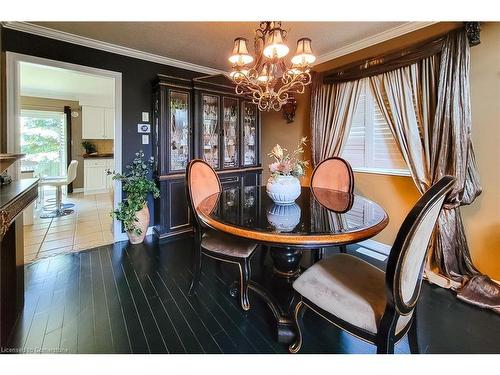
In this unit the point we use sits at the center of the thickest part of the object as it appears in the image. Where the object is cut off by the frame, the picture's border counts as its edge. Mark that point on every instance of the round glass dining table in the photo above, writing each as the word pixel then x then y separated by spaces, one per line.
pixel 319 218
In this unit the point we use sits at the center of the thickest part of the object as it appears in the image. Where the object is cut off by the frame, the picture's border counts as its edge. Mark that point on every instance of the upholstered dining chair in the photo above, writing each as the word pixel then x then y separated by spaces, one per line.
pixel 333 173
pixel 202 182
pixel 361 299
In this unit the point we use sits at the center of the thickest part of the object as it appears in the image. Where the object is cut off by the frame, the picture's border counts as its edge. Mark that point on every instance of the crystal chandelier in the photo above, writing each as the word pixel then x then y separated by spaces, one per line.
pixel 270 81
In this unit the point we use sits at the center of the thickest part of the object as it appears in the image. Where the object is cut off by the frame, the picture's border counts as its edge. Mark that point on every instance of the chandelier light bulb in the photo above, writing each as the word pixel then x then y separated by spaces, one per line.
pixel 275 47
pixel 240 55
pixel 263 75
pixel 304 54
pixel 294 70
pixel 238 73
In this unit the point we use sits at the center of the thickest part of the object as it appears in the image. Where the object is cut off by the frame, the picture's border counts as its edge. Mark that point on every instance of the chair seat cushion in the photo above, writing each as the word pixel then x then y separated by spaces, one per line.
pixel 348 288
pixel 57 181
pixel 227 245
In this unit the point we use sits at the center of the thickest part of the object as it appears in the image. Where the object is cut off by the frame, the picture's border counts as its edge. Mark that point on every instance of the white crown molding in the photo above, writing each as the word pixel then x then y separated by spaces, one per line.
pixel 372 40
pixel 125 51
pixel 108 47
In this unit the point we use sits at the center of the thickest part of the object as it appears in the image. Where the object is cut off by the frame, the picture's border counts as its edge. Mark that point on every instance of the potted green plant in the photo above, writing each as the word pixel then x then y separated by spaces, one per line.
pixel 89 147
pixel 133 212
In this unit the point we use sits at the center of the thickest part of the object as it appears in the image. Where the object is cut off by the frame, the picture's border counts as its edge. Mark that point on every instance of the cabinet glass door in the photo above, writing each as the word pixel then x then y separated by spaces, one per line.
pixel 210 134
pixel 249 134
pixel 179 130
pixel 230 133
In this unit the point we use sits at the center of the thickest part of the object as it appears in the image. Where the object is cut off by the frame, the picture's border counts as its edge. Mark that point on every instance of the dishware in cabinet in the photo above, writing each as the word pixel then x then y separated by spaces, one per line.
pixel 230 136
pixel 210 132
pixel 250 128
pixel 180 144
pixel 172 125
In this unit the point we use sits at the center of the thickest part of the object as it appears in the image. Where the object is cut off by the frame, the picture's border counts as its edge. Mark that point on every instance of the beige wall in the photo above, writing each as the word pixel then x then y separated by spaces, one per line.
pixel 275 130
pixel 398 194
pixel 28 102
pixel 482 218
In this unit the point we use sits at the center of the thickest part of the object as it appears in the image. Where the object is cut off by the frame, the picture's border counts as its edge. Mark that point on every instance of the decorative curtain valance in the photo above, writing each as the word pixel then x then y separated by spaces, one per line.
pixel 385 63
pixel 395 60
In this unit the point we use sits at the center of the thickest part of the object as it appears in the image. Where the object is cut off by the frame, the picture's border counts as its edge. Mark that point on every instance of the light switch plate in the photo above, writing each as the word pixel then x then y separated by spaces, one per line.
pixel 143 128
pixel 145 116
pixel 145 139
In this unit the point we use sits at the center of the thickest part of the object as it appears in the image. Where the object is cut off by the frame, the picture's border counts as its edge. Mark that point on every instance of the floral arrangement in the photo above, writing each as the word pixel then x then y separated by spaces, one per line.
pixel 136 185
pixel 287 164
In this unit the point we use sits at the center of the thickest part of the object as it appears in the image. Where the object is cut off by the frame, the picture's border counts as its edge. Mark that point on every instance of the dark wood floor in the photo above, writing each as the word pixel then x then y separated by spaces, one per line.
pixel 133 299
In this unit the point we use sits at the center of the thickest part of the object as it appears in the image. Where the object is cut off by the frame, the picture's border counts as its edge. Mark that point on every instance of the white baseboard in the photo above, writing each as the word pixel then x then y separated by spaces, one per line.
pixel 78 190
pixel 98 191
pixel 376 246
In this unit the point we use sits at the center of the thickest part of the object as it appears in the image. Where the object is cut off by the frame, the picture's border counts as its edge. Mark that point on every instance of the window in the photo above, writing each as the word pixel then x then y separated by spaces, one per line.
pixel 370 145
pixel 43 140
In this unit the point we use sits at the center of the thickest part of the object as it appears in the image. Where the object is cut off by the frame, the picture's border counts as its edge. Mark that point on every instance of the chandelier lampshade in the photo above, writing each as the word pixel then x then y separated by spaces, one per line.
pixel 270 81
pixel 304 54
pixel 275 48
pixel 240 55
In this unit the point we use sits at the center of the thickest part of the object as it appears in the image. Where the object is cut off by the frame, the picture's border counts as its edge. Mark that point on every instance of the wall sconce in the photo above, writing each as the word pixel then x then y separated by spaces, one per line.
pixel 289 109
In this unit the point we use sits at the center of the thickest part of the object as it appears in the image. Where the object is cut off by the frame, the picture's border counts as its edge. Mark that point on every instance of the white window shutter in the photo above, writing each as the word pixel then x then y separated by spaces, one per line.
pixel 370 144
pixel 354 149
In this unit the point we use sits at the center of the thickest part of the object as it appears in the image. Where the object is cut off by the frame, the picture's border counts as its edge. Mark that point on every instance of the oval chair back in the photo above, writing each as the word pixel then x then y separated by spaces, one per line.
pixel 201 182
pixel 406 261
pixel 333 173
pixel 72 168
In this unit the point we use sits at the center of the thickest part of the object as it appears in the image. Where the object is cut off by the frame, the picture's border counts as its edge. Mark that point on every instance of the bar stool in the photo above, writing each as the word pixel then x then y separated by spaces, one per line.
pixel 58 183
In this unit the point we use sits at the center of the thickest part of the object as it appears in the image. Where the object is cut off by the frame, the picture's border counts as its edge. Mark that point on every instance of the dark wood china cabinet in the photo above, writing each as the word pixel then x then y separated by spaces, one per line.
pixel 202 118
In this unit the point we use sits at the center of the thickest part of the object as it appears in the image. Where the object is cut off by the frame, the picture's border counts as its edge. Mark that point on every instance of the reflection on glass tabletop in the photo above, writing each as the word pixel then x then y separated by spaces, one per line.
pixel 315 212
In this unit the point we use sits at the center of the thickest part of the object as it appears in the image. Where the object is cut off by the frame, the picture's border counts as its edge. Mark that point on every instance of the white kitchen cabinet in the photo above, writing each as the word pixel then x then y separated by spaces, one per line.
pixel 98 122
pixel 96 179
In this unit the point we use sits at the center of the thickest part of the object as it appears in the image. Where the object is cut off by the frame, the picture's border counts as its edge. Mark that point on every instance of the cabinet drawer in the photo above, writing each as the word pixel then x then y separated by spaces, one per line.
pixel 95 163
pixel 229 180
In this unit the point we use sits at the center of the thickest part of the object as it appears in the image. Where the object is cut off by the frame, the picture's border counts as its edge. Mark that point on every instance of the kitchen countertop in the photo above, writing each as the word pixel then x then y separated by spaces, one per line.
pixel 98 156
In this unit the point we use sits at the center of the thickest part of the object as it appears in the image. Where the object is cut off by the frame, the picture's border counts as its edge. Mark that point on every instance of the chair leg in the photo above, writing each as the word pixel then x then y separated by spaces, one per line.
pixel 386 345
pixel 245 272
pixel 317 255
pixel 197 259
pixel 386 333
pixel 58 198
pixel 299 311
pixel 412 335
pixel 343 249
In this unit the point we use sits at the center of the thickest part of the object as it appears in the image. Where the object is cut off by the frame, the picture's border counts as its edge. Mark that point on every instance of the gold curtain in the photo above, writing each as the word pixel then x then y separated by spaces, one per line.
pixel 332 110
pixel 427 106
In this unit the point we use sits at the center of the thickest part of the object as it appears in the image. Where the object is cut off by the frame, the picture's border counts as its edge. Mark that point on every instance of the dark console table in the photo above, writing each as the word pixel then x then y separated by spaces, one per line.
pixel 14 198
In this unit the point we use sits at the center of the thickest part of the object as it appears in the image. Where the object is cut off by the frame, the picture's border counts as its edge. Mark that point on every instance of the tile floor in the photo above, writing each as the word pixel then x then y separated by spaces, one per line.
pixel 89 226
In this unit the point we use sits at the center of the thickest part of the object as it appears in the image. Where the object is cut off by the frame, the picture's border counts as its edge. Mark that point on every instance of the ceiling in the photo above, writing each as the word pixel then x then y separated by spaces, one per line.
pixel 56 83
pixel 209 43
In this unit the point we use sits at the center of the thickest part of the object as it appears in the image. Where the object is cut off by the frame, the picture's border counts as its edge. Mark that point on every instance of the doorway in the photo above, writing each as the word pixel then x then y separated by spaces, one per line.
pixel 45 103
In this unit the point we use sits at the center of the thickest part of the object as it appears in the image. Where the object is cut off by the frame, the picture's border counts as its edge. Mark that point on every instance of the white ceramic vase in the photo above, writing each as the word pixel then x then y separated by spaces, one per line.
pixel 143 223
pixel 284 217
pixel 283 189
